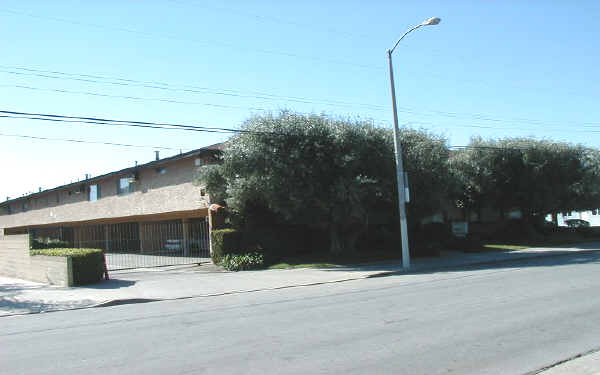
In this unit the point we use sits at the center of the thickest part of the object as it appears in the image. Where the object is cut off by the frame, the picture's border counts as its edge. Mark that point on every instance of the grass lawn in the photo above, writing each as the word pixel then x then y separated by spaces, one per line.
pixel 505 247
pixel 557 239
pixel 326 260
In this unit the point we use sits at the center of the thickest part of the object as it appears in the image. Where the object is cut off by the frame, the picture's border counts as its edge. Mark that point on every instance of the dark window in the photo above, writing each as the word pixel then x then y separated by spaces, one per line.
pixel 125 185
pixel 25 206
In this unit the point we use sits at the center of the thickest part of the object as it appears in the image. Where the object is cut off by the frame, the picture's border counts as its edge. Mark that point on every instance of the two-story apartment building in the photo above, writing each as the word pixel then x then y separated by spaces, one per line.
pixel 149 214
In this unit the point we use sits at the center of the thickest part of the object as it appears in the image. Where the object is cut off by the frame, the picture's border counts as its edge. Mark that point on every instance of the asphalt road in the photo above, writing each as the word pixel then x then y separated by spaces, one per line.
pixel 511 318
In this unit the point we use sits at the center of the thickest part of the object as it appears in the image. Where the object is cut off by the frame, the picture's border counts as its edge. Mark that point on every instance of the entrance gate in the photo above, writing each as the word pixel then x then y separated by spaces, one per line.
pixel 136 245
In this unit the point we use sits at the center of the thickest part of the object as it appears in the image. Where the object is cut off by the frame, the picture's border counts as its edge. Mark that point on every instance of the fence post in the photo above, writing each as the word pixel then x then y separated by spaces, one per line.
pixel 106 237
pixel 186 233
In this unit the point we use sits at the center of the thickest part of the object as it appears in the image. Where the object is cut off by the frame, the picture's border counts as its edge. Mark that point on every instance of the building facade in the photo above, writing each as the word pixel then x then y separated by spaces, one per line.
pixel 145 212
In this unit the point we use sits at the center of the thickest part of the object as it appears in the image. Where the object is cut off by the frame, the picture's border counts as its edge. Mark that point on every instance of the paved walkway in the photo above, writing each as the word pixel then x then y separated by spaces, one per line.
pixel 23 297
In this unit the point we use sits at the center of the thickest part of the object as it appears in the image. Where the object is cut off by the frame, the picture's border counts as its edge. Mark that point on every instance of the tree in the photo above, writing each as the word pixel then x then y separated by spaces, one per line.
pixel 538 177
pixel 328 173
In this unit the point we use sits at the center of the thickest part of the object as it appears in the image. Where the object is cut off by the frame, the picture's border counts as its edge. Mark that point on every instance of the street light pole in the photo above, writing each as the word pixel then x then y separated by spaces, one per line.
pixel 398 151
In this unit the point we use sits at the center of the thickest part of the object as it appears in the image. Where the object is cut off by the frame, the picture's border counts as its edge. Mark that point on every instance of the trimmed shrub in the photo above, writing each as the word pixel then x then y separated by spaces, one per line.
pixel 241 262
pixel 224 241
pixel 87 264
pixel 65 252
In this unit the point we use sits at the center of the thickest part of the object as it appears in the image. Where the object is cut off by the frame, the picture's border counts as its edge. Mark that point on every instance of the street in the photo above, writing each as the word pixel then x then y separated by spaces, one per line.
pixel 505 318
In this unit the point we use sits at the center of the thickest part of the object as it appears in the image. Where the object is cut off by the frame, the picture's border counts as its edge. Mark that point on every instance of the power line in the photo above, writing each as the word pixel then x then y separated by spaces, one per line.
pixel 157 125
pixel 143 124
pixel 266 96
pixel 202 42
pixel 279 20
pixel 223 106
pixel 84 141
pixel 113 122
pixel 181 88
pixel 137 98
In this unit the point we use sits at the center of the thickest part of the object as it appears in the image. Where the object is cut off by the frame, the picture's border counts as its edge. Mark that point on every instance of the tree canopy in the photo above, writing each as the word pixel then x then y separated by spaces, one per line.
pixel 338 175
pixel 538 177
pixel 332 173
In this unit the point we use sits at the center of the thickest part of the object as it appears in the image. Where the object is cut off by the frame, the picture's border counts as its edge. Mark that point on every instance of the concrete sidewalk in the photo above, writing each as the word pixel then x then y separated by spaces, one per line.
pixel 23 297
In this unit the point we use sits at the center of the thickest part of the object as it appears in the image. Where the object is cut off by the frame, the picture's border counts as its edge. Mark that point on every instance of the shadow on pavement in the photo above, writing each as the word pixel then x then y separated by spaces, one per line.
pixel 110 284
pixel 8 288
pixel 15 300
pixel 455 262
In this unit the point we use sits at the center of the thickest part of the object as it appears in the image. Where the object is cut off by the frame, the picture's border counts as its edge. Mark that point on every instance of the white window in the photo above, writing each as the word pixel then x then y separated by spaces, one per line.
pixel 94 193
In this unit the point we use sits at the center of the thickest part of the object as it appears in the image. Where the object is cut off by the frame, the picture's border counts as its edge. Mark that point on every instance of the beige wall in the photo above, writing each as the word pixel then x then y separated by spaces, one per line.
pixel 15 261
pixel 154 193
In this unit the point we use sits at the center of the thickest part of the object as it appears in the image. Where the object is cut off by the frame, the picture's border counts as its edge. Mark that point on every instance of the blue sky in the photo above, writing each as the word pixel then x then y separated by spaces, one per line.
pixel 490 68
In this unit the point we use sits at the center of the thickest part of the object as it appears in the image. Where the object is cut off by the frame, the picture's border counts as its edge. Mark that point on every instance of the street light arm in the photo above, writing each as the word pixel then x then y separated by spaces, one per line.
pixel 402 37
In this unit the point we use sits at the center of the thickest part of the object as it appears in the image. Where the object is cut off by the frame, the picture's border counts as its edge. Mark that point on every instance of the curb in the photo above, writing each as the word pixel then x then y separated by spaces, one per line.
pixel 482 263
pixel 127 301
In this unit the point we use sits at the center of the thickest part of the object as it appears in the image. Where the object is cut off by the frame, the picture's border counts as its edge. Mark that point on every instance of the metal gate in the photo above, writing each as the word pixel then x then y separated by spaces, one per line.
pixel 136 245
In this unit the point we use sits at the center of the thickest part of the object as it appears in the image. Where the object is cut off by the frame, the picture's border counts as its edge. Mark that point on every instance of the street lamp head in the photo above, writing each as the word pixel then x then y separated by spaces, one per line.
pixel 431 21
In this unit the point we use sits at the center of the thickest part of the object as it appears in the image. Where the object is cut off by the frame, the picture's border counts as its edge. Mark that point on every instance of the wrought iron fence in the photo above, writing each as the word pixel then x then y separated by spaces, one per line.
pixel 135 245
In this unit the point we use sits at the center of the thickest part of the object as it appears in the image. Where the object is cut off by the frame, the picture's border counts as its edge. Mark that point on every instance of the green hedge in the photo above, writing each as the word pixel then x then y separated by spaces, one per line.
pixel 88 264
pixel 224 241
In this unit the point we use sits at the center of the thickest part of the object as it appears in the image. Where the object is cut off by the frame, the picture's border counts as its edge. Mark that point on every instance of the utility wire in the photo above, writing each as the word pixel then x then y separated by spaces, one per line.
pixel 180 88
pixel 236 47
pixel 152 125
pixel 139 124
pixel 71 140
pixel 265 96
pixel 304 26
pixel 263 51
pixel 103 121
pixel 84 141
pixel 137 98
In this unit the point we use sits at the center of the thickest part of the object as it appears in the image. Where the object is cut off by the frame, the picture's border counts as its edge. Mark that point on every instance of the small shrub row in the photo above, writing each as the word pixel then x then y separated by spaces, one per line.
pixel 242 262
pixel 87 264
pixel 65 252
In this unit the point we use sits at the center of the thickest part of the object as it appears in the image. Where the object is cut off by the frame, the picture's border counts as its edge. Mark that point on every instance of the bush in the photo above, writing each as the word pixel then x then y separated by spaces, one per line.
pixel 278 241
pixel 470 243
pixel 87 264
pixel 516 229
pixel 224 241
pixel 588 232
pixel 241 262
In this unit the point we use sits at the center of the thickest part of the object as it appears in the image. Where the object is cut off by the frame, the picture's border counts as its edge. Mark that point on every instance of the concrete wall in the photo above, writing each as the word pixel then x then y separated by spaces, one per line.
pixel 169 188
pixel 16 262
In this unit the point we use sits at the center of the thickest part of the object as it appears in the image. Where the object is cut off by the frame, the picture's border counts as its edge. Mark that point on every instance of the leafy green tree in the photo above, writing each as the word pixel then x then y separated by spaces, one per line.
pixel 538 177
pixel 327 173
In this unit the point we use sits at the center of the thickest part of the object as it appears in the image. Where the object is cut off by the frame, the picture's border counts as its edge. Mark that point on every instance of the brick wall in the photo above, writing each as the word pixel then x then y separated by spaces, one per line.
pixel 15 261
